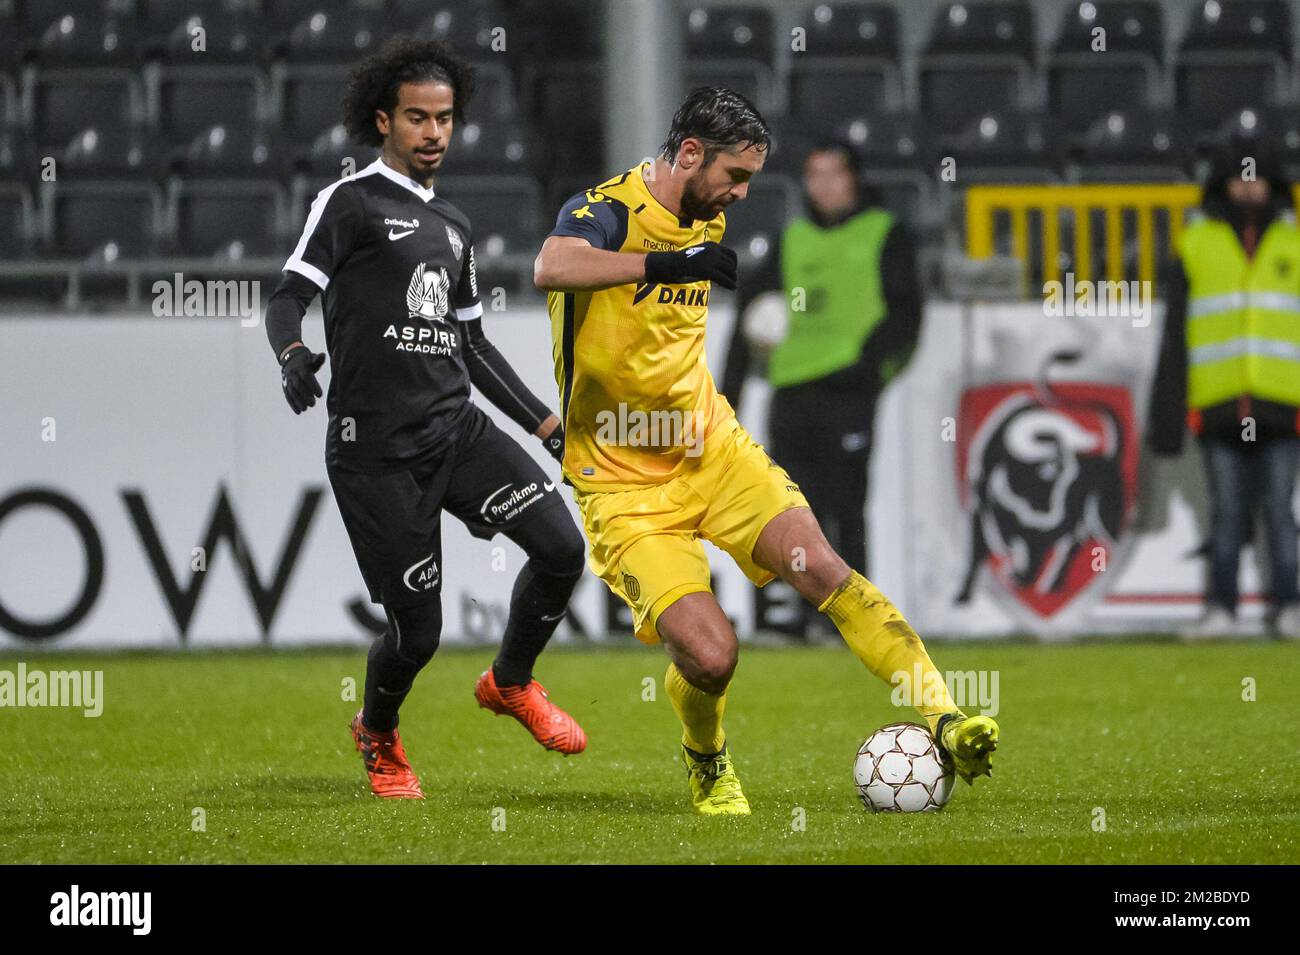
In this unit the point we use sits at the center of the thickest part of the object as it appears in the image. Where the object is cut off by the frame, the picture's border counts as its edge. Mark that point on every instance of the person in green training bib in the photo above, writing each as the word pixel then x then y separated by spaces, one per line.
pixel 835 311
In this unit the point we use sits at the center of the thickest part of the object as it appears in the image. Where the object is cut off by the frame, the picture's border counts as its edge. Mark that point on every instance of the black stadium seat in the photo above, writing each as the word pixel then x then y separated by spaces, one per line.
pixel 978 61
pixel 310 96
pixel 194 98
pixel 849 62
pixel 1234 55
pixel 732 47
pixel 172 31
pixel 1133 145
pixel 80 35
pixel 471 28
pixel 1085 82
pixel 88 216
pixel 503 212
pixel 231 151
pixel 63 99
pixel 492 149
pixel 107 150
pixel 331 35
pixel 226 219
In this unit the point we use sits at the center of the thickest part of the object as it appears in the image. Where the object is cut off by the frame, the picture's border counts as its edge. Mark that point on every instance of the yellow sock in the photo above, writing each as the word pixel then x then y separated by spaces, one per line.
pixel 879 636
pixel 700 712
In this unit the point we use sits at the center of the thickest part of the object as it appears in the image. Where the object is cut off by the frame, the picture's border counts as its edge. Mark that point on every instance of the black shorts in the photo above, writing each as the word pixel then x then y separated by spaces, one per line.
pixel 393 518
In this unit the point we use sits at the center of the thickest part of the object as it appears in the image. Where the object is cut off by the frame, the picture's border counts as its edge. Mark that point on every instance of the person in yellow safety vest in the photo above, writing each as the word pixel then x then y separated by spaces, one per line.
pixel 848 298
pixel 1229 370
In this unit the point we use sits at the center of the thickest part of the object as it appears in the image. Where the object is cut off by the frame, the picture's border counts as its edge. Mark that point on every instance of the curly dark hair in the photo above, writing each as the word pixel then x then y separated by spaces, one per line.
pixel 373 84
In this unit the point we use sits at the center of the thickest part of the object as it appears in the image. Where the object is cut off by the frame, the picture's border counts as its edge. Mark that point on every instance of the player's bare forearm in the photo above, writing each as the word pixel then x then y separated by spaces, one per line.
pixel 570 264
pixel 547 426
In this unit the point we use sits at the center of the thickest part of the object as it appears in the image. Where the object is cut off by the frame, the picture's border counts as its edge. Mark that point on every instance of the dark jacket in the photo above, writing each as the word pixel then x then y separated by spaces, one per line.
pixel 1168 418
pixel 893 338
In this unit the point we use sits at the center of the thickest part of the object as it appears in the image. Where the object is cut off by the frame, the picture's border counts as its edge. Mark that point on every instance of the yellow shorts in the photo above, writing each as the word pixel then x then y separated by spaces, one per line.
pixel 645 542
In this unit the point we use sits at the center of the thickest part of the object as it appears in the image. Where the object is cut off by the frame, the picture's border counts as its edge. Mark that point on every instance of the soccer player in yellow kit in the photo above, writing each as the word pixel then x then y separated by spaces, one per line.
pixel 658 460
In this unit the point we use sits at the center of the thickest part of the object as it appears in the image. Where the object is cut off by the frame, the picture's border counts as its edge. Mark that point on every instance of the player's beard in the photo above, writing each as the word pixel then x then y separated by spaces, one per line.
pixel 695 205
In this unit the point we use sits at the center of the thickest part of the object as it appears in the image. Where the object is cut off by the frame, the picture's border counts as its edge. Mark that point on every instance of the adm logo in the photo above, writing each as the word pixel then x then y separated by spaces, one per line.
pixel 422 575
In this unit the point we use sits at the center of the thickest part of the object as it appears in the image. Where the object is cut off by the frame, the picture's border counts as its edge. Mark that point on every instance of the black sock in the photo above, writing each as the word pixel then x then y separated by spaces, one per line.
pixel 537 605
pixel 394 660
pixel 388 680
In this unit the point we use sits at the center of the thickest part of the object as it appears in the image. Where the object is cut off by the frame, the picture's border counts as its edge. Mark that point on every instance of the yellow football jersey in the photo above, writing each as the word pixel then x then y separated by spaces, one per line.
pixel 637 398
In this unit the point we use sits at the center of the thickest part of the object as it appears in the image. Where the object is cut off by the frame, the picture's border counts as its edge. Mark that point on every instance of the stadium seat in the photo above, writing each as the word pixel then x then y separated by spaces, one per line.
pixel 1134 145
pixel 896 157
pixel 227 219
pixel 108 150
pixel 732 47
pixel 503 213
pixel 978 61
pixel 171 30
pixel 110 219
pixel 729 33
pixel 308 96
pixel 194 98
pixel 470 28
pixel 492 149
pixel 331 36
pixel 754 226
pixel 1085 82
pixel 82 34
pixel 63 98
pixel 1234 55
pixel 1005 147
pixel 234 151
pixel 850 62
pixel 559 30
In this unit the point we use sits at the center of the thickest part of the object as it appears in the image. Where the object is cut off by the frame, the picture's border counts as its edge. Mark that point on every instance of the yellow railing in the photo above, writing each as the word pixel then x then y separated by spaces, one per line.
pixel 983 203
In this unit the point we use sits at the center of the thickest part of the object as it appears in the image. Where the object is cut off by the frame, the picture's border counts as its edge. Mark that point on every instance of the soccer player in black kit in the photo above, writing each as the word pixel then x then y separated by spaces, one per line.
pixel 394 266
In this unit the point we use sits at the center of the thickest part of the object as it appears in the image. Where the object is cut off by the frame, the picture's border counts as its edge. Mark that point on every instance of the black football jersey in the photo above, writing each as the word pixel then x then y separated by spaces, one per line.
pixel 395 266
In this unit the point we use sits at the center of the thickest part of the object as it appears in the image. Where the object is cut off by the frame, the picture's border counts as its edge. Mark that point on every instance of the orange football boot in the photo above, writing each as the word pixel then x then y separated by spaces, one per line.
pixel 391 776
pixel 531 706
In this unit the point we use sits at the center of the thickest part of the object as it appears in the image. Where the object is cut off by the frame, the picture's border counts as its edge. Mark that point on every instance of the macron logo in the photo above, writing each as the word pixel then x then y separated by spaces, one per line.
pixel 132 909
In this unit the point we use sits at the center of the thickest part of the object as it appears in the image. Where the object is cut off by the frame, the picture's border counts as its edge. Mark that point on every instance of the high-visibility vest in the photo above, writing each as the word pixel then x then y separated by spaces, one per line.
pixel 1243 315
pixel 832 278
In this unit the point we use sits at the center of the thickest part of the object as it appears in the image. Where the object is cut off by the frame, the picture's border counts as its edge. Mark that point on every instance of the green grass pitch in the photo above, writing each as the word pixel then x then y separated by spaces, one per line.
pixel 1155 735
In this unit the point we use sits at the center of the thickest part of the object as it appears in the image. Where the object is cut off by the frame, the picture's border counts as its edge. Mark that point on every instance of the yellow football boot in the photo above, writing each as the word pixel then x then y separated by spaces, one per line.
pixel 969 741
pixel 715 787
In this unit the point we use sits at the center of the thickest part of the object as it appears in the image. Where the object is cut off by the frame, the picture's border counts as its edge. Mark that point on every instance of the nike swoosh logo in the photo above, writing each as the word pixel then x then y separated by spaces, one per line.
pixel 556 617
pixel 694 251
pixel 392 235
pixel 548 485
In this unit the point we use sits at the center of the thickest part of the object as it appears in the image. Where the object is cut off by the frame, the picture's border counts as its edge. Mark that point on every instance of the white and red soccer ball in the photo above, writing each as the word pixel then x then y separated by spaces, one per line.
pixel 901 769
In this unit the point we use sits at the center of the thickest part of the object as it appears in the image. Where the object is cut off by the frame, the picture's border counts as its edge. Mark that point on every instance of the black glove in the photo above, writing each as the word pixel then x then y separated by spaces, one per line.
pixel 707 262
pixel 298 378
pixel 555 443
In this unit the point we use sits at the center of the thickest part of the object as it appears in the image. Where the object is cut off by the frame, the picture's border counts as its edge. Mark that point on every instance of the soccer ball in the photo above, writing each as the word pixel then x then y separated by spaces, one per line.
pixel 901 769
